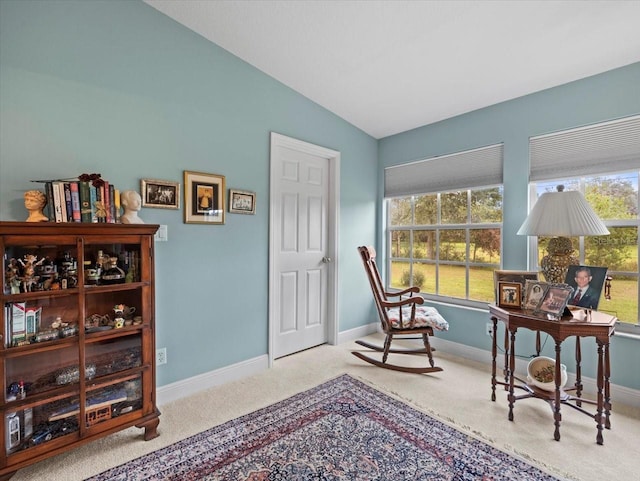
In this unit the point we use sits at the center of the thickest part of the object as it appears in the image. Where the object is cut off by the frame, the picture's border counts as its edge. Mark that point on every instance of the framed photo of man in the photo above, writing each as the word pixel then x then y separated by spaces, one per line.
pixel 587 283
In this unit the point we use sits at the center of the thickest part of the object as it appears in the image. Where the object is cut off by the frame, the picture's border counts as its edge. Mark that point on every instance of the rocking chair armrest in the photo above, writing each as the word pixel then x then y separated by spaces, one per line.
pixel 403 302
pixel 408 290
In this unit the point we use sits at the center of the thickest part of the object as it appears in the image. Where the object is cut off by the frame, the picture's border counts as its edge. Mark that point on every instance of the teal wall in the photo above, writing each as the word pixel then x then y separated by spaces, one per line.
pixel 118 88
pixel 595 99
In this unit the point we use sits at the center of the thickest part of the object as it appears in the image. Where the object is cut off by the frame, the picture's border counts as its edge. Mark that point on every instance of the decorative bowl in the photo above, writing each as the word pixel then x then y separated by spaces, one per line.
pixel 541 373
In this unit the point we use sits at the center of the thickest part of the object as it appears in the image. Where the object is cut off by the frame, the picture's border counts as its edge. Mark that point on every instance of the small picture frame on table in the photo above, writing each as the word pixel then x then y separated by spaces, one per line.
pixel 203 198
pixel 162 194
pixel 555 300
pixel 512 276
pixel 534 292
pixel 242 202
pixel 510 294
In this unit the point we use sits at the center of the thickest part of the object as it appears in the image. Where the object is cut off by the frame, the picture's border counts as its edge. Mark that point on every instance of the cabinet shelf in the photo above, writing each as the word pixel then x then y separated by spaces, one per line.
pixel 115 287
pixel 61 392
pixel 30 296
pixel 18 351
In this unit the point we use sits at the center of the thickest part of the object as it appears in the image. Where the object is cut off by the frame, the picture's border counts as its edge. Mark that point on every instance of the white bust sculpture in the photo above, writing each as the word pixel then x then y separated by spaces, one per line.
pixel 131 202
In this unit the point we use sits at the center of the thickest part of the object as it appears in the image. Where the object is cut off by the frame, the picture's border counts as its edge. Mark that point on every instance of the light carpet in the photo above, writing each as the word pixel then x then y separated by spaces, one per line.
pixel 459 395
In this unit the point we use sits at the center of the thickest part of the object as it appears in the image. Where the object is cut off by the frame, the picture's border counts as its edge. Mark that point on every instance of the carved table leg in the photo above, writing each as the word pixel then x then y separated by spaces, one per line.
pixel 578 383
pixel 507 350
pixel 510 369
pixel 494 353
pixel 557 416
pixel 600 383
pixel 607 393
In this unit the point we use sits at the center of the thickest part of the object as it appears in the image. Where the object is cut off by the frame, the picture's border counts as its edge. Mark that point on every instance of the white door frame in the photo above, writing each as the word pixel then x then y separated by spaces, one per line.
pixel 278 140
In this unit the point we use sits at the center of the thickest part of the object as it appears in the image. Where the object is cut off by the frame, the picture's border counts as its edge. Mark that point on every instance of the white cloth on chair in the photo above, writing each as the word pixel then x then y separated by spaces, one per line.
pixel 425 316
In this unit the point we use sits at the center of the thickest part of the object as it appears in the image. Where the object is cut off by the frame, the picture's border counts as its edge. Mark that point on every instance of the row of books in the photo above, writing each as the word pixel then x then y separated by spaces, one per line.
pixel 80 201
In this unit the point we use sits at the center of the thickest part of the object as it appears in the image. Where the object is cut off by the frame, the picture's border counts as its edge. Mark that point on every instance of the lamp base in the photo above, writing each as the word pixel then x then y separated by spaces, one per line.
pixel 555 264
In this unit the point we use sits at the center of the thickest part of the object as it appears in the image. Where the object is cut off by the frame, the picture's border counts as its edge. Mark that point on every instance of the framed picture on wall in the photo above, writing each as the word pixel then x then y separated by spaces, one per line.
pixel 204 198
pixel 162 194
pixel 242 202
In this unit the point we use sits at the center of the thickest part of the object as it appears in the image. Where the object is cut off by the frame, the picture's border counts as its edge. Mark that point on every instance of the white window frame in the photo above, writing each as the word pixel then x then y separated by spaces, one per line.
pixel 438 227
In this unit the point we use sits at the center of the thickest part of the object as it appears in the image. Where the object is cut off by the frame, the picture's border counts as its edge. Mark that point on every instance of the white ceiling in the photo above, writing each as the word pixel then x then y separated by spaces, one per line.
pixel 390 66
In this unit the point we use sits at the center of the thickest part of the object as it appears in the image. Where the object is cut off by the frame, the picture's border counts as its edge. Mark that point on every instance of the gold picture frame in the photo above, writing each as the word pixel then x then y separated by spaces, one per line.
pixel 510 294
pixel 204 198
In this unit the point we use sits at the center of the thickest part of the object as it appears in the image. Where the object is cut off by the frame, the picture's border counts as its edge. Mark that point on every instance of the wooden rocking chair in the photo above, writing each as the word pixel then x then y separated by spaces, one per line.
pixel 401 317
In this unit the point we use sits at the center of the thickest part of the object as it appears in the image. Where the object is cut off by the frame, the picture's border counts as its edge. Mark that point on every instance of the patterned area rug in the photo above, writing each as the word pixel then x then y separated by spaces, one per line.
pixel 340 430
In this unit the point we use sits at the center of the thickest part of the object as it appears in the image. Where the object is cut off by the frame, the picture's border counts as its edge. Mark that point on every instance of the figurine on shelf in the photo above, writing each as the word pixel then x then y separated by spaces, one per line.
pixel 29 270
pixel 131 201
pixel 34 201
pixel 12 277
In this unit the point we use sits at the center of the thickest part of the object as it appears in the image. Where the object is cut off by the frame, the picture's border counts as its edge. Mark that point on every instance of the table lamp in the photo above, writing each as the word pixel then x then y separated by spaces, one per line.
pixel 561 215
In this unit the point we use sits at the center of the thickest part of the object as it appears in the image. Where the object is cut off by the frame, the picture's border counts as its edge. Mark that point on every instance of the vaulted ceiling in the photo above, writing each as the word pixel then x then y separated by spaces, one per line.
pixel 390 66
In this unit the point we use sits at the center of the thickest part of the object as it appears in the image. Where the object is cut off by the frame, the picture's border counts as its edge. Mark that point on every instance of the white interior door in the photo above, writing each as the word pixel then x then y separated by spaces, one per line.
pixel 302 246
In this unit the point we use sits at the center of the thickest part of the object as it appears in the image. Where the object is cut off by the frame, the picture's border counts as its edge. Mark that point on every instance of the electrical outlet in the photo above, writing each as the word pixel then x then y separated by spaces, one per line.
pixel 161 356
pixel 490 329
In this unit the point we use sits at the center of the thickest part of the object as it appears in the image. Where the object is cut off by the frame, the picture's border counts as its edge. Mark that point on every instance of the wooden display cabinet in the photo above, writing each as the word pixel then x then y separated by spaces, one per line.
pixel 77 347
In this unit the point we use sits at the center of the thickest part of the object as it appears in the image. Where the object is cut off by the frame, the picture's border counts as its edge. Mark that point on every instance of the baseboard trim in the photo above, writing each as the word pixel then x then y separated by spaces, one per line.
pixel 621 394
pixel 357 332
pixel 187 387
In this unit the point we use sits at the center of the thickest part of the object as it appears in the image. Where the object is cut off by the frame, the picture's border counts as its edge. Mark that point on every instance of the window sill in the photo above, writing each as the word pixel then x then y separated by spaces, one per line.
pixel 635 334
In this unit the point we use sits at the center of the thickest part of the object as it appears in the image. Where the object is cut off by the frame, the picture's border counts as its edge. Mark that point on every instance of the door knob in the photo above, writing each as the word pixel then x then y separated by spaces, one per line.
pixel 326 260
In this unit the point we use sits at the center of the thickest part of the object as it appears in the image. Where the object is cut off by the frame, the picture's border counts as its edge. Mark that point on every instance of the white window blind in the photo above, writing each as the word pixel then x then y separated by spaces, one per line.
pixel 606 147
pixel 463 170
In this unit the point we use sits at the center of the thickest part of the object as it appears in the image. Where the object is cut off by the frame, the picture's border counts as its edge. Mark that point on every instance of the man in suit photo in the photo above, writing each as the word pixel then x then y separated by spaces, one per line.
pixel 586 294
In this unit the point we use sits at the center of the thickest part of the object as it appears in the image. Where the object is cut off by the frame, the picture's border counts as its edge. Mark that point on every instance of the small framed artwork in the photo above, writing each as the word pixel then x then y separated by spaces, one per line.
pixel 510 294
pixel 242 202
pixel 162 194
pixel 203 198
pixel 587 283
pixel 555 300
pixel 534 292
pixel 512 276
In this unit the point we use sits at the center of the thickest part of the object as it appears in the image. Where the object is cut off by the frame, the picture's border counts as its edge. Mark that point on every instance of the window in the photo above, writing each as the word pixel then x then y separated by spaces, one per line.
pixel 614 197
pixel 603 162
pixel 444 225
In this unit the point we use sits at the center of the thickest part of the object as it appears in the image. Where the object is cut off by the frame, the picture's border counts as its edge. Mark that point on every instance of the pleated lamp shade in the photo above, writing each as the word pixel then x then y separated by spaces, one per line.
pixel 566 214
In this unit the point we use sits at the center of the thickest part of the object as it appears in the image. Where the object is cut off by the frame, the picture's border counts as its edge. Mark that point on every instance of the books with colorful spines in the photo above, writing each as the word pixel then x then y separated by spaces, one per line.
pixel 50 210
pixel 94 200
pixel 75 202
pixel 100 210
pixel 112 203
pixel 85 200
pixel 67 202
pixel 116 203
pixel 57 201
pixel 106 202
pixel 63 202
